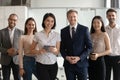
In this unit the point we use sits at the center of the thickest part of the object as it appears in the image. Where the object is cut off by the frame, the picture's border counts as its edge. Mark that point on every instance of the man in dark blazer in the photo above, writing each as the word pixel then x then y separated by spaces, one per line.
pixel 75 49
pixel 8 47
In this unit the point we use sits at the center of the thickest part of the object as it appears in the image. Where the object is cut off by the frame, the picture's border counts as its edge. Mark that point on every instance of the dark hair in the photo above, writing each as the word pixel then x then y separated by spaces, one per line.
pixel 25 29
pixel 70 11
pixel 111 10
pixel 13 14
pixel 46 16
pixel 102 28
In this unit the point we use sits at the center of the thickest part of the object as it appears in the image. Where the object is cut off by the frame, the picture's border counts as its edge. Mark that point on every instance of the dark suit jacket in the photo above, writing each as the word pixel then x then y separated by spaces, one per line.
pixel 80 45
pixel 5 44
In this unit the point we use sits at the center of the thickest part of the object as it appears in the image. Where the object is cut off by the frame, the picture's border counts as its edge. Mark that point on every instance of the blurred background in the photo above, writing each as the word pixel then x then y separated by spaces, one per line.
pixel 87 9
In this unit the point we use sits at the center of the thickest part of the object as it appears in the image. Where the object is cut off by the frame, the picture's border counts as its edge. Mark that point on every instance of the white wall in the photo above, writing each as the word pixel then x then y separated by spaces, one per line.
pixel 5 11
pixel 68 3
pixel 85 16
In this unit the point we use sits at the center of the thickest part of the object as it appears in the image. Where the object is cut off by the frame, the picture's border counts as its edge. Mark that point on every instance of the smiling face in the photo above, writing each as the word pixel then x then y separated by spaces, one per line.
pixel 72 18
pixel 30 25
pixel 111 16
pixel 12 21
pixel 97 24
pixel 49 22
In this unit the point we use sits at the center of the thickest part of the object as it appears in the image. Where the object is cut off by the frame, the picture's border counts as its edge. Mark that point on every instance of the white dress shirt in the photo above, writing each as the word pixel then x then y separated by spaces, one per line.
pixel 42 39
pixel 11 33
pixel 71 29
pixel 114 34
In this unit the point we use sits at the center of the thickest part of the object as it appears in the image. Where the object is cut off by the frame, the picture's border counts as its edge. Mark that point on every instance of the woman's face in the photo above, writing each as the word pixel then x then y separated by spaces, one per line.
pixel 97 24
pixel 49 22
pixel 30 25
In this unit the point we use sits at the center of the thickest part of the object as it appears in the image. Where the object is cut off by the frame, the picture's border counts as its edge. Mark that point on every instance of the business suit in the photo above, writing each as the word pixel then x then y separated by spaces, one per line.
pixel 80 45
pixel 6 60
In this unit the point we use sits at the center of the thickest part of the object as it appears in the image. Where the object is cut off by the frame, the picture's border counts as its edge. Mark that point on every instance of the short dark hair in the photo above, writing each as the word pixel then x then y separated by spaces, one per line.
pixel 71 10
pixel 13 14
pixel 102 28
pixel 111 10
pixel 25 28
pixel 46 16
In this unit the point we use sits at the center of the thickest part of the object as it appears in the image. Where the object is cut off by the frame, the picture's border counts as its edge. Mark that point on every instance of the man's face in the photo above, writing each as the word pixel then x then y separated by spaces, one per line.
pixel 111 16
pixel 12 20
pixel 72 18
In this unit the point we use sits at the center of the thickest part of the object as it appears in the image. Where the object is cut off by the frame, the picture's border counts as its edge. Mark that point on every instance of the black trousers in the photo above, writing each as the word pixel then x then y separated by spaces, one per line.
pixel 46 72
pixel 112 62
pixel 6 70
pixel 97 69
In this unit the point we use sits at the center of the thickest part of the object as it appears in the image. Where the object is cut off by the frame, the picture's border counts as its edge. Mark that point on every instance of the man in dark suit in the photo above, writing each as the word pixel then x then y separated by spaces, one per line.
pixel 75 48
pixel 8 48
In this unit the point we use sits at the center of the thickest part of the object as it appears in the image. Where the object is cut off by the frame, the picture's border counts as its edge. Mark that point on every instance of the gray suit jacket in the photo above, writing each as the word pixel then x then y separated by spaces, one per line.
pixel 5 44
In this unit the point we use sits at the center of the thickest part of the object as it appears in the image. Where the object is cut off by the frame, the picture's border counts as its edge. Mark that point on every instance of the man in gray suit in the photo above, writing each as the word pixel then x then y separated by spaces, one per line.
pixel 8 47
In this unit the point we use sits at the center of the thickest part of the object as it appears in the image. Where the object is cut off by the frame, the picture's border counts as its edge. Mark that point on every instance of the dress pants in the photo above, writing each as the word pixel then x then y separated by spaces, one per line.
pixel 112 62
pixel 97 69
pixel 6 70
pixel 47 72
pixel 74 72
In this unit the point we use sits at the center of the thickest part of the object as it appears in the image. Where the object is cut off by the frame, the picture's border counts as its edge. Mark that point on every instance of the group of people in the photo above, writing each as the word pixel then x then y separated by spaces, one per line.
pixel 86 54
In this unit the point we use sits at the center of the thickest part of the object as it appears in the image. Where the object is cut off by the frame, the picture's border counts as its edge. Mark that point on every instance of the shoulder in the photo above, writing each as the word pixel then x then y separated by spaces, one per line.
pixel 19 30
pixel 54 32
pixel 65 28
pixel 4 29
pixel 82 26
pixel 22 36
pixel 105 34
pixel 38 33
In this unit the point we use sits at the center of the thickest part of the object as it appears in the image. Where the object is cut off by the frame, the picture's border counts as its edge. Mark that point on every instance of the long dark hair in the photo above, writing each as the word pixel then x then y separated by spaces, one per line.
pixel 102 28
pixel 25 28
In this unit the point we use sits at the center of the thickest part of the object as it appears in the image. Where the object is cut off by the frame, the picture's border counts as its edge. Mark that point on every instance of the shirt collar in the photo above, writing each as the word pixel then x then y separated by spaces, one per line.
pixel 74 26
pixel 43 31
pixel 116 27
pixel 10 29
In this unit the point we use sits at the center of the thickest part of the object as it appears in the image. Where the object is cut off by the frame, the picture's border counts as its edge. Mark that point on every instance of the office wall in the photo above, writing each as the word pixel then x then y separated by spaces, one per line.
pixel 5 11
pixel 68 3
pixel 85 16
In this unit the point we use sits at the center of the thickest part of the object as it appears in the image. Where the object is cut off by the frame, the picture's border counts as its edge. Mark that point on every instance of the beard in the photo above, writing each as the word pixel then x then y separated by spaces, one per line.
pixel 11 26
pixel 111 20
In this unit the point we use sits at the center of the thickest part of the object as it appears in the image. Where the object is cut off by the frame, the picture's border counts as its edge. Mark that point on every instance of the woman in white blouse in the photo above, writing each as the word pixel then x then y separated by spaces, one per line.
pixel 27 62
pixel 48 42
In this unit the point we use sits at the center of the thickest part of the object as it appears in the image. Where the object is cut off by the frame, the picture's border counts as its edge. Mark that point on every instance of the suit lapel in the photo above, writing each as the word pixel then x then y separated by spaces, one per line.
pixel 68 33
pixel 15 38
pixel 77 33
pixel 7 36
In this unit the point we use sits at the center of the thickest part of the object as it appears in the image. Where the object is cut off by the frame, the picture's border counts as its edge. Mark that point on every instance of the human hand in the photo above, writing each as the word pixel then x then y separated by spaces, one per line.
pixel 73 59
pixel 42 51
pixel 21 71
pixel 94 56
pixel 11 52
pixel 52 49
